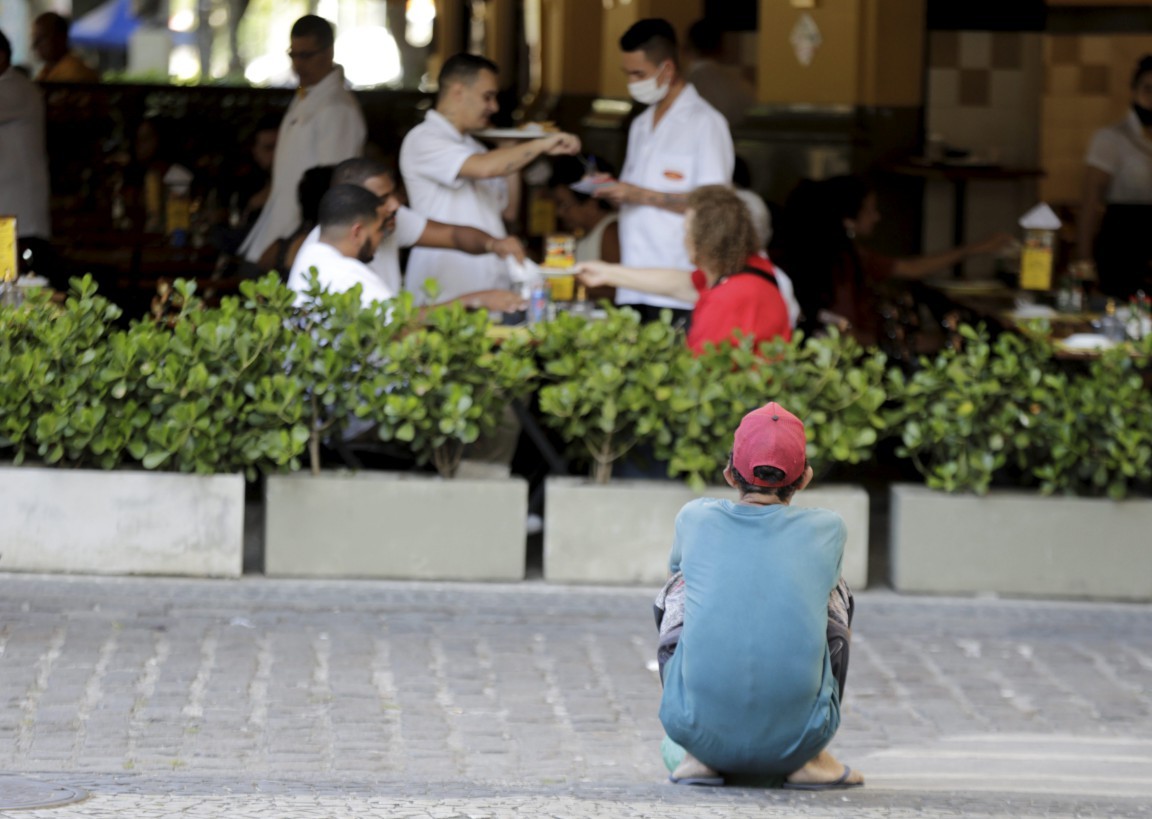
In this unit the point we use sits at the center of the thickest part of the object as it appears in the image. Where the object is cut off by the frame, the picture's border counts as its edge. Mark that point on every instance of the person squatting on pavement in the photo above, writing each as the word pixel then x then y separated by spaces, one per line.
pixel 755 623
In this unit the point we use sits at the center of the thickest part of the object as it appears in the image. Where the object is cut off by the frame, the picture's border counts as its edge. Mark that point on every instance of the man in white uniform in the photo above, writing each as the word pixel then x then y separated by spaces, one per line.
pixel 679 143
pixel 405 227
pixel 23 160
pixel 352 224
pixel 323 126
pixel 400 225
pixel 452 177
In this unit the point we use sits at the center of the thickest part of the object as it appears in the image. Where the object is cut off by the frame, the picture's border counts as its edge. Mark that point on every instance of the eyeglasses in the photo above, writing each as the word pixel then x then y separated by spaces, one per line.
pixel 304 55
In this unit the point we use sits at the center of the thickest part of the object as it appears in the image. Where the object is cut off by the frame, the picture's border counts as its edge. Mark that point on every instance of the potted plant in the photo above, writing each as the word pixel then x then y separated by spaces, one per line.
pixel 686 409
pixel 134 441
pixel 433 383
pixel 1027 463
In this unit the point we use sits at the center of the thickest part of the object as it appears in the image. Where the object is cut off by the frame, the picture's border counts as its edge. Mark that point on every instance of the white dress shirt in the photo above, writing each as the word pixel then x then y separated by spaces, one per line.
pixel 1124 153
pixel 691 147
pixel 324 126
pixel 386 263
pixel 431 157
pixel 336 272
pixel 23 159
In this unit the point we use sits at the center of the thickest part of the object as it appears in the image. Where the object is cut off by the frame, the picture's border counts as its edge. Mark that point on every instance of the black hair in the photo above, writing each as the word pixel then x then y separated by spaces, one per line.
pixel 567 170
pixel 310 191
pixel 766 473
pixel 741 174
pixel 358 170
pixel 464 68
pixel 58 24
pixel 317 28
pixel 344 204
pixel 268 122
pixel 5 46
pixel 655 37
pixel 1144 66
pixel 705 37
pixel 810 241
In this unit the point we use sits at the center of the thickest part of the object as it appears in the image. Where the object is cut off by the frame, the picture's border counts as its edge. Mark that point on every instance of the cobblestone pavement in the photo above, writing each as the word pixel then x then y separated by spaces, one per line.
pixel 270 698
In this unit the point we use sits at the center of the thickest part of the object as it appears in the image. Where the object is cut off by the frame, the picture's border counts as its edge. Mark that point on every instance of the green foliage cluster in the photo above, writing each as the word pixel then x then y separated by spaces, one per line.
pixel 257 383
pixel 208 395
pixel 1007 411
pixel 607 385
pixel 444 386
pixel 833 384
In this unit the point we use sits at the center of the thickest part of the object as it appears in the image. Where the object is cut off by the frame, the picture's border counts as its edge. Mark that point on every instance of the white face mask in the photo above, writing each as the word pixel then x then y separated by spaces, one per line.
pixel 649 91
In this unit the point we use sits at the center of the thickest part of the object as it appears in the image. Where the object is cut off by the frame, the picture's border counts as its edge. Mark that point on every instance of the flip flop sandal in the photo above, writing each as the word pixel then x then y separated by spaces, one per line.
pixel 707 781
pixel 839 784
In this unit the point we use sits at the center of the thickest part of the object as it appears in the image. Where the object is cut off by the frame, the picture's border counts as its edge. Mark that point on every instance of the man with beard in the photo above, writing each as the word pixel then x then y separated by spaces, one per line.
pixel 405 228
pixel 353 221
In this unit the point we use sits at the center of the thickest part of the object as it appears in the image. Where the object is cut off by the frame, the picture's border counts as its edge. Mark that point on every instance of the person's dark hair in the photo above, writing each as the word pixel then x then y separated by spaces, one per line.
pixel 5 46
pixel 705 37
pixel 741 174
pixel 810 241
pixel 344 204
pixel 310 191
pixel 268 122
pixel 567 170
pixel 655 37
pixel 766 473
pixel 721 230
pixel 357 170
pixel 1144 66
pixel 58 24
pixel 317 28
pixel 464 69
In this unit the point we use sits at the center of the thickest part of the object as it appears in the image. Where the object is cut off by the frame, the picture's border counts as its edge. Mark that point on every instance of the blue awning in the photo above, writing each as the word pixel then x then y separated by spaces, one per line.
pixel 107 26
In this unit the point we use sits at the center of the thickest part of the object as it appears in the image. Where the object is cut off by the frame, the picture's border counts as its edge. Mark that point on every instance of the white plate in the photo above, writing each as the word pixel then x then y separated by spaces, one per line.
pixel 1033 311
pixel 1085 341
pixel 511 133
pixel 31 281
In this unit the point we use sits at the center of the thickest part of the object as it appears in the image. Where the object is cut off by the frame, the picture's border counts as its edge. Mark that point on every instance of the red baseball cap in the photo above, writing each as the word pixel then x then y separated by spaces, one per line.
pixel 770 436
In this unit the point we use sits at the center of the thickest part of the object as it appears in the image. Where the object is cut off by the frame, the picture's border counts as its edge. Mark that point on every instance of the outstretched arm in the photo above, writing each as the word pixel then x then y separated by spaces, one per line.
pixel 508 160
pixel 469 240
pixel 676 284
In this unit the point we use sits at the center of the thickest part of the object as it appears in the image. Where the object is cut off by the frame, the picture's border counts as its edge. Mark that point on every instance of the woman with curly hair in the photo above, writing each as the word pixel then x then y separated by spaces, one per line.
pixel 734 288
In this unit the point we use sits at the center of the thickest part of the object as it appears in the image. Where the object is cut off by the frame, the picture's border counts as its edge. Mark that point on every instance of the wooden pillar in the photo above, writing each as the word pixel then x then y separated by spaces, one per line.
pixel 870 52
pixel 571 47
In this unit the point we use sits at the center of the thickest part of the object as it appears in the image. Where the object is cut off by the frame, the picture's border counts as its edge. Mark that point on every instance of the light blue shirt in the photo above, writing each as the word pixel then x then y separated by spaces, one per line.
pixel 750 688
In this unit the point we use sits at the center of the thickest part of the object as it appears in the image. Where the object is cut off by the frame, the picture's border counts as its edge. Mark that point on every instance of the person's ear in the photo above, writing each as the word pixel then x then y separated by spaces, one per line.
pixel 728 476
pixel 808 473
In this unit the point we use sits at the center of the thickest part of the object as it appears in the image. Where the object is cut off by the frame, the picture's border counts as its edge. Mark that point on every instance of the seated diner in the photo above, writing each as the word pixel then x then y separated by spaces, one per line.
pixel 733 289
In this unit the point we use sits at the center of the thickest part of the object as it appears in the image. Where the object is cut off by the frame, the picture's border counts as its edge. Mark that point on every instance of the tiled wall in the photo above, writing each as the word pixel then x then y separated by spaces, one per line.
pixel 983 96
pixel 1086 87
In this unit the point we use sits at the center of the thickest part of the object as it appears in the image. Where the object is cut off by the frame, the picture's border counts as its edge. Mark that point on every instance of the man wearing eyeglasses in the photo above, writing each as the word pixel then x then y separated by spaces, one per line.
pixel 323 126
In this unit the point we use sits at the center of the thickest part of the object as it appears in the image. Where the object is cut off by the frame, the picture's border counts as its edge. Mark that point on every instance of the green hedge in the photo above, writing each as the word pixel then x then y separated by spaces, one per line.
pixel 256 384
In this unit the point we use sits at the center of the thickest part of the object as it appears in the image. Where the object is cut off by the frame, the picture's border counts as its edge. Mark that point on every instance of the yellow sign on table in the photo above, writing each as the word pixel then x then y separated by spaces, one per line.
pixel 560 254
pixel 1036 260
pixel 9 263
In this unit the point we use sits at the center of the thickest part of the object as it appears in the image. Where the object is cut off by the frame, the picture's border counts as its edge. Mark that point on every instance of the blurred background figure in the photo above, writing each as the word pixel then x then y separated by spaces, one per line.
pixel 50 42
pixel 246 183
pixel 280 255
pixel 819 244
pixel 322 126
pixel 23 160
pixel 722 86
pixel 591 220
pixel 1113 237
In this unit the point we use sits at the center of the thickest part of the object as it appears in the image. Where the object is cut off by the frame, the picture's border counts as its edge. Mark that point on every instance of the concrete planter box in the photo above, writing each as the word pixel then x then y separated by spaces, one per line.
pixel 1019 542
pixel 622 532
pixel 121 522
pixel 395 525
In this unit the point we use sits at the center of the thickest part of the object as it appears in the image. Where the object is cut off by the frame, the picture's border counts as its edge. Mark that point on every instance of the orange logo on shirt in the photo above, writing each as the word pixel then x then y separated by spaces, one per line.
pixel 675 176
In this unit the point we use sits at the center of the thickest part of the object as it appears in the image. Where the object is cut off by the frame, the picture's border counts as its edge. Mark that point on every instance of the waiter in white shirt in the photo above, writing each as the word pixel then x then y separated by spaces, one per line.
pixel 323 126
pixel 23 160
pixel 452 177
pixel 404 227
pixel 677 144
